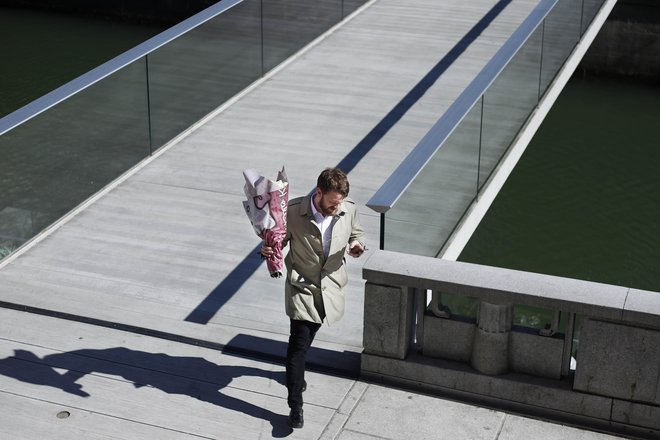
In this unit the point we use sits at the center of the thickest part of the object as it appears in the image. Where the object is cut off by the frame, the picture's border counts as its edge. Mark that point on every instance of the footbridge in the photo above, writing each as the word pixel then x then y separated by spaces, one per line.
pixel 120 201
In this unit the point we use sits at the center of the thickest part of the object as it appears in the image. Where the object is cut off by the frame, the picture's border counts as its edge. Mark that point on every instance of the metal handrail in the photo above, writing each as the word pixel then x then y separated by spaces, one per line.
pixel 395 185
pixel 106 69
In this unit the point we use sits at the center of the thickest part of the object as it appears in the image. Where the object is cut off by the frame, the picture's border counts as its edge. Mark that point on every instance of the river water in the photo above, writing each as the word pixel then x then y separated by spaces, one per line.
pixel 584 200
pixel 43 50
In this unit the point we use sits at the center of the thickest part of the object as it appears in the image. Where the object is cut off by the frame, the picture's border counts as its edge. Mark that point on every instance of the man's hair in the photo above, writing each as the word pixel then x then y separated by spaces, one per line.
pixel 333 179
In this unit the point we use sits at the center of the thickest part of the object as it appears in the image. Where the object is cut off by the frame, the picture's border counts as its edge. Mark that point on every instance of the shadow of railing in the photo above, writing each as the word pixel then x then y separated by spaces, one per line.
pixel 219 296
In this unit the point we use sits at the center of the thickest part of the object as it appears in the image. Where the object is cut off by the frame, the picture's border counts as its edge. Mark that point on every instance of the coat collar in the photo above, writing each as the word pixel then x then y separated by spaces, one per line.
pixel 306 208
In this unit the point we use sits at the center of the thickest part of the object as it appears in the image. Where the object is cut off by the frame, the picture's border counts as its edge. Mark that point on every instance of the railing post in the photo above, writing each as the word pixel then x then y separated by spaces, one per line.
pixel 490 350
pixel 149 125
pixel 382 231
pixel 388 320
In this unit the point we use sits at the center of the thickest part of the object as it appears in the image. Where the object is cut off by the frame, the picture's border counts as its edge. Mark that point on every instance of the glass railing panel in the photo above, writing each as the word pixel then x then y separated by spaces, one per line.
pixel 195 73
pixel 589 10
pixel 53 162
pixel 428 211
pixel 508 103
pixel 561 34
pixel 291 24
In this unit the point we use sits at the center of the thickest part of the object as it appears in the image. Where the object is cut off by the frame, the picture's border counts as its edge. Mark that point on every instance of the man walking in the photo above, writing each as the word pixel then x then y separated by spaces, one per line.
pixel 321 228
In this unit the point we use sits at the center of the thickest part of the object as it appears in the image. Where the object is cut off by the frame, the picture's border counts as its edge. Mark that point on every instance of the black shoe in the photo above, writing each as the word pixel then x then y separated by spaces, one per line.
pixel 296 418
pixel 304 386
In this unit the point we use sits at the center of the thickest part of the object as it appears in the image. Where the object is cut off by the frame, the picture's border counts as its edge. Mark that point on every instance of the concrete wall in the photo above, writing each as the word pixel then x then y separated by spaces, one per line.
pixel 614 386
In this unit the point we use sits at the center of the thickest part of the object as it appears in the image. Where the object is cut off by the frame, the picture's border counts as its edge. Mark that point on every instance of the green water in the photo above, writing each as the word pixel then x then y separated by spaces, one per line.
pixel 584 200
pixel 43 50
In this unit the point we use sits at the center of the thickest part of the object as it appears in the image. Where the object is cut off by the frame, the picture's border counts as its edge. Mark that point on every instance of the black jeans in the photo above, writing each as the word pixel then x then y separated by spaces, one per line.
pixel 300 339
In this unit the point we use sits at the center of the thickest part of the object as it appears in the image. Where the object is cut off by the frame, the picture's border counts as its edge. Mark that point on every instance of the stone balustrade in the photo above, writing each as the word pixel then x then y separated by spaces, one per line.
pixel 614 383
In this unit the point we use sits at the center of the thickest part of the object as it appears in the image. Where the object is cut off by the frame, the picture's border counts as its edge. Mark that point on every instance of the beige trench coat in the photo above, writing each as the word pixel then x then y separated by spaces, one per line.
pixel 314 283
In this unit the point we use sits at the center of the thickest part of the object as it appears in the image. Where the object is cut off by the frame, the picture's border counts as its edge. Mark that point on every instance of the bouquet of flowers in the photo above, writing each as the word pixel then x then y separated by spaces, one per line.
pixel 266 207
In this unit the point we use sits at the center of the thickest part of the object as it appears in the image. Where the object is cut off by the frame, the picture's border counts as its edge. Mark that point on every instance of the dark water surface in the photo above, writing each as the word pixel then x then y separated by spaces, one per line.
pixel 43 50
pixel 584 200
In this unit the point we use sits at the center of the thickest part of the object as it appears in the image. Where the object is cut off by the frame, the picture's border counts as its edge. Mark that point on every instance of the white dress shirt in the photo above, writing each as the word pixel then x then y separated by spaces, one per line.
pixel 324 223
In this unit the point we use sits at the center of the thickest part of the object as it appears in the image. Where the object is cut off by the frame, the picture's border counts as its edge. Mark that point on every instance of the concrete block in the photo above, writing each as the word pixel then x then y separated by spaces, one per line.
pixel 643 308
pixel 418 370
pixel 448 377
pixel 447 339
pixel 493 284
pixel 636 414
pixel 495 318
pixel 388 313
pixel 490 352
pixel 618 360
pixel 535 355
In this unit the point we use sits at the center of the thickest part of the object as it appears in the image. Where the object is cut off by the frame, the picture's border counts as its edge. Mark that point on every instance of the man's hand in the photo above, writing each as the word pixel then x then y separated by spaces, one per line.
pixel 355 249
pixel 266 251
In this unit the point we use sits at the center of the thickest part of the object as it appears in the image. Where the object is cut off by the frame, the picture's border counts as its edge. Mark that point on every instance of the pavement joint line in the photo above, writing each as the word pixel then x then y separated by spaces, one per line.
pixel 358 389
pixel 357 392
pixel 501 427
pixel 29 344
pixel 369 435
pixel 170 185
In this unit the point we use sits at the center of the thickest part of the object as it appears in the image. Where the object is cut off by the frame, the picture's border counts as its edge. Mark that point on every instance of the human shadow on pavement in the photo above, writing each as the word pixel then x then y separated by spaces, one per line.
pixel 190 376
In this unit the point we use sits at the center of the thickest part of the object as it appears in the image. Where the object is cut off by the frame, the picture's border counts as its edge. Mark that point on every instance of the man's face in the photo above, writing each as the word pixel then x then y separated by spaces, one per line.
pixel 328 203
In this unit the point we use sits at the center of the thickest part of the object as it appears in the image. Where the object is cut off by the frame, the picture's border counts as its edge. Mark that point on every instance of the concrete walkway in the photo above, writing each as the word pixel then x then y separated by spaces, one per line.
pixel 170 250
pixel 64 380
pixel 141 301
